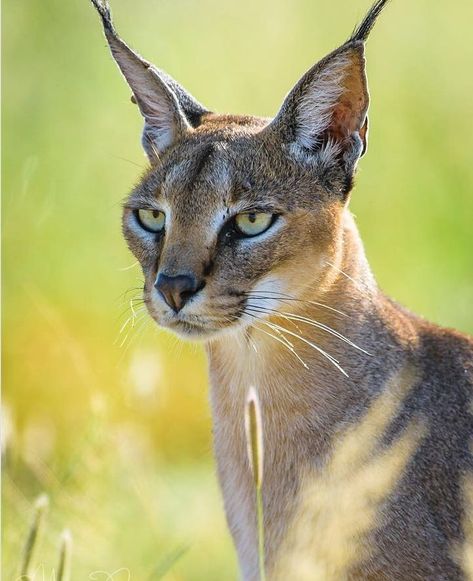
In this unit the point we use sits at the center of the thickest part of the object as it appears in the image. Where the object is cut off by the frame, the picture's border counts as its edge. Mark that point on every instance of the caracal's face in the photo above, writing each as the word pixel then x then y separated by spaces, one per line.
pixel 229 226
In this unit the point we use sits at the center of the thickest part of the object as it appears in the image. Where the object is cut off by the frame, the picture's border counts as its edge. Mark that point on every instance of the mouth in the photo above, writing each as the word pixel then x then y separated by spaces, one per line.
pixel 196 331
pixel 188 329
pixel 197 327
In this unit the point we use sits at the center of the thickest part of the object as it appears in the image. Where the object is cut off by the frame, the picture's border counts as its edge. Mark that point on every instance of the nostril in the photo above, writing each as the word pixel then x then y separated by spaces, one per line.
pixel 185 295
pixel 177 290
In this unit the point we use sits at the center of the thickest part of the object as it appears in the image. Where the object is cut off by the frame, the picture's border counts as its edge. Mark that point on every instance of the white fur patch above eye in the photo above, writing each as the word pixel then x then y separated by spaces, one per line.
pixel 315 109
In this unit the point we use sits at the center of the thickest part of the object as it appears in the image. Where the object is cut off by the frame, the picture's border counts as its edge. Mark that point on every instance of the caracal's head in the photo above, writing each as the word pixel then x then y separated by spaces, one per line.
pixel 235 214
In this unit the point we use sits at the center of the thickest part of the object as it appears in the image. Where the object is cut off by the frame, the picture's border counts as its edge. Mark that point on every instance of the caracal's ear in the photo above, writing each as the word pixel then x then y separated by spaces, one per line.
pixel 325 114
pixel 169 111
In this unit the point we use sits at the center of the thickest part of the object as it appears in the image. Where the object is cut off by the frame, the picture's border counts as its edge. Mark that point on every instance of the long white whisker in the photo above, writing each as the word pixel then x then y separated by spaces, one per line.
pixel 328 329
pixel 123 269
pixel 136 316
pixel 351 279
pixel 285 342
pixel 329 357
pixel 140 327
pixel 289 298
pixel 313 323
pixel 132 318
pixel 140 320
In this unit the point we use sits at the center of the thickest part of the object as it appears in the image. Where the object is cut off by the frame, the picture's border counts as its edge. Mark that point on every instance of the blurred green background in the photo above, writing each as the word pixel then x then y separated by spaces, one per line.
pixel 116 427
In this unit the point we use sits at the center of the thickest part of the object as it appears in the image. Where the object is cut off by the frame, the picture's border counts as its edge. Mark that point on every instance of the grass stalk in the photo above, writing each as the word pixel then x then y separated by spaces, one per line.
pixel 259 517
pixel 65 551
pixel 41 506
pixel 255 449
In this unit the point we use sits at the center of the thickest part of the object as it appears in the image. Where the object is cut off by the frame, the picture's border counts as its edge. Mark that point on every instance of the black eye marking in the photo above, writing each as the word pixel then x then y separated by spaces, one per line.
pixel 230 232
pixel 208 268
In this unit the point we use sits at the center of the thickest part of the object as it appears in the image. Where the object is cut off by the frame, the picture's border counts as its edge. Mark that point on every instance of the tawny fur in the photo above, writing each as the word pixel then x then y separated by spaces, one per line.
pixel 366 457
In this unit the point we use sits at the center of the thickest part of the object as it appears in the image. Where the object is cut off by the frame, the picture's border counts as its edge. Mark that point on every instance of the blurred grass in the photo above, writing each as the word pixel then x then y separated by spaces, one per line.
pixel 119 437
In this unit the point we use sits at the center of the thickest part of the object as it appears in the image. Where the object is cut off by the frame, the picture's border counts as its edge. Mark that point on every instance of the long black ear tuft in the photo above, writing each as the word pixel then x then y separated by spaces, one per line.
pixel 103 9
pixel 362 31
pixel 168 109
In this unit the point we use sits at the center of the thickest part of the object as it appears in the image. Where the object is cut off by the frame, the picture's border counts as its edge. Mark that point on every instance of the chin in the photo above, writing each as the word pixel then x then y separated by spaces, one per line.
pixel 196 332
pixel 195 328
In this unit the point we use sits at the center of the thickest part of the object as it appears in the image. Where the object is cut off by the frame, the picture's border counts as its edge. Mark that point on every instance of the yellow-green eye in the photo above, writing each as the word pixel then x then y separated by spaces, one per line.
pixel 151 220
pixel 253 223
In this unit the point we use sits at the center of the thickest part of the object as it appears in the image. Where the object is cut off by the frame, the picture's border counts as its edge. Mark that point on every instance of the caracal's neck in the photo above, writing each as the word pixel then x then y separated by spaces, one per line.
pixel 305 394
pixel 333 315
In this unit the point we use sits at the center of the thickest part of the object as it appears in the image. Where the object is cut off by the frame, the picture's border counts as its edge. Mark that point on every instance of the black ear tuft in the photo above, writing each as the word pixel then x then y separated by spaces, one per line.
pixel 363 30
pixel 103 8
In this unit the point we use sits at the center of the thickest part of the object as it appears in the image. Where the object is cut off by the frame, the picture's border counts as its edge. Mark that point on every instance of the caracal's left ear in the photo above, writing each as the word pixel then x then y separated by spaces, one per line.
pixel 326 113
pixel 169 110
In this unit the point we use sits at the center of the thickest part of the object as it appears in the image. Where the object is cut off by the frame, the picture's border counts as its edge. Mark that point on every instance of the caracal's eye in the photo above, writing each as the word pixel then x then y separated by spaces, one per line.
pixel 151 220
pixel 253 223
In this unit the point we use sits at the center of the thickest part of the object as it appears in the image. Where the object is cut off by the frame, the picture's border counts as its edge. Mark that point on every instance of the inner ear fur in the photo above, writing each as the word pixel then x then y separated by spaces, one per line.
pixel 325 116
pixel 349 112
pixel 329 103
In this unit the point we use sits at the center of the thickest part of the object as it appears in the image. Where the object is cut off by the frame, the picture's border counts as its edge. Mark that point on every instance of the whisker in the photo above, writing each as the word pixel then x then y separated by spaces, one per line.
pixel 135 315
pixel 125 312
pixel 133 288
pixel 313 323
pixel 283 337
pixel 329 357
pixel 143 321
pixel 135 321
pixel 252 344
pixel 329 329
pixel 131 317
pixel 289 320
pixel 142 167
pixel 131 305
pixel 125 268
pixel 288 298
pixel 286 343
pixel 358 285
pixel 123 298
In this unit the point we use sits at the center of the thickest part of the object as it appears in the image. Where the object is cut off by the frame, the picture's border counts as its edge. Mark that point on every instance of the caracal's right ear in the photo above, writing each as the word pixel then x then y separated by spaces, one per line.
pixel 325 116
pixel 169 110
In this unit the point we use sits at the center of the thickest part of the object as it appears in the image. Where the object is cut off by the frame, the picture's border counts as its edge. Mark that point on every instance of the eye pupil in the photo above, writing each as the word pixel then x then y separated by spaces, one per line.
pixel 252 217
pixel 155 213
